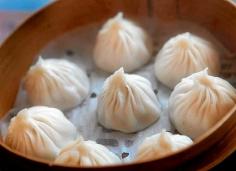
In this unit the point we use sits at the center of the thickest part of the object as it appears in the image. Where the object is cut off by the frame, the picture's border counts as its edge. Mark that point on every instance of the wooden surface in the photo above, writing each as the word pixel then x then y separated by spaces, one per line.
pixel 18 51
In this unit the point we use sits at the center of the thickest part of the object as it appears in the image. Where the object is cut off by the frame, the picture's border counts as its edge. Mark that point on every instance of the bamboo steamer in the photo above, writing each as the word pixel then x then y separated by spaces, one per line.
pixel 19 50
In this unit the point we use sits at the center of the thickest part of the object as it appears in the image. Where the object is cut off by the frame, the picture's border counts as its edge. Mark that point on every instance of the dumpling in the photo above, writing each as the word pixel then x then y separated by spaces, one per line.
pixel 121 43
pixel 40 132
pixel 56 83
pixel 184 55
pixel 127 103
pixel 199 101
pixel 86 153
pixel 160 145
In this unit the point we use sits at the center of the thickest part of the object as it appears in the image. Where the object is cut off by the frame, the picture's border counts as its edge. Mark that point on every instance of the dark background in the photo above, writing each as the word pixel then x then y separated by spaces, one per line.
pixel 227 165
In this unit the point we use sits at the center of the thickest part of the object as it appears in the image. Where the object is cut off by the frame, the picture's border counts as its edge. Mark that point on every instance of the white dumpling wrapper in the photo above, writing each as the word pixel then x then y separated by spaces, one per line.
pixel 199 101
pixel 184 55
pixel 121 43
pixel 160 145
pixel 40 132
pixel 127 103
pixel 86 153
pixel 56 83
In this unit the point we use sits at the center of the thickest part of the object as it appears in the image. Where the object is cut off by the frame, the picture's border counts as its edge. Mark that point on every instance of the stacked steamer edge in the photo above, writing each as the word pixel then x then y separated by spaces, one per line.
pixel 198 101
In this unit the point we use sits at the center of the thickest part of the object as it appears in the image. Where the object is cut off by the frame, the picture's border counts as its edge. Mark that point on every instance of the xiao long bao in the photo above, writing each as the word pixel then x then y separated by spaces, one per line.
pixel 160 145
pixel 184 55
pixel 86 153
pixel 121 43
pixel 123 109
pixel 199 101
pixel 127 103
pixel 40 132
pixel 56 83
